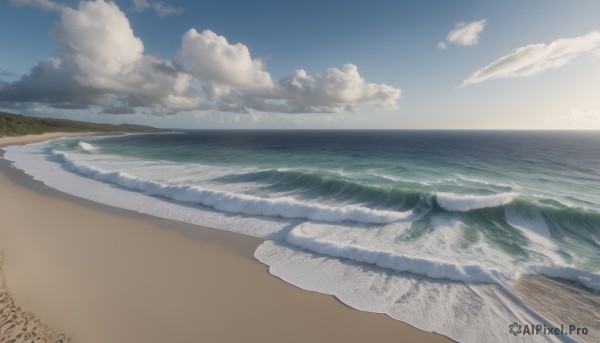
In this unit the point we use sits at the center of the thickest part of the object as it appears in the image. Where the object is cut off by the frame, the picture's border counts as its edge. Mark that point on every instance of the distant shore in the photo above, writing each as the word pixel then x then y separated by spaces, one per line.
pixel 28 139
pixel 103 274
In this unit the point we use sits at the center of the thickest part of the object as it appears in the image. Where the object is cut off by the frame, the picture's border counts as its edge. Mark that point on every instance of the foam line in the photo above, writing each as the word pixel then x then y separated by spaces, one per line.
pixel 464 203
pixel 236 203
pixel 87 147
pixel 433 268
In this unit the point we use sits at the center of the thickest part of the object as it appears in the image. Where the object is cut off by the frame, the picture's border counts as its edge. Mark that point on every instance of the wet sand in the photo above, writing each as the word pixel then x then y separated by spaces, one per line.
pixel 562 302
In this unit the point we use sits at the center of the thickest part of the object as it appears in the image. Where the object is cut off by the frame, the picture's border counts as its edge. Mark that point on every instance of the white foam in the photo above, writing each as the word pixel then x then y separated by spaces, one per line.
pixel 431 267
pixel 33 160
pixel 236 203
pixel 87 147
pixel 437 255
pixel 535 229
pixel 394 246
pixel 464 203
pixel 588 279
pixel 463 312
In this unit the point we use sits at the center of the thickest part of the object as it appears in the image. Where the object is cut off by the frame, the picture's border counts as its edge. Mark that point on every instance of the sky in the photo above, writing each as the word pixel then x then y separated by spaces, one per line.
pixel 328 64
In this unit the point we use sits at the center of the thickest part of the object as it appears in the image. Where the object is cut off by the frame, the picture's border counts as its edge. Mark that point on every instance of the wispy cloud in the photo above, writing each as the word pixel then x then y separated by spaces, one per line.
pixel 576 116
pixel 47 5
pixel 6 73
pixel 464 34
pixel 159 7
pixel 535 58
pixel 100 63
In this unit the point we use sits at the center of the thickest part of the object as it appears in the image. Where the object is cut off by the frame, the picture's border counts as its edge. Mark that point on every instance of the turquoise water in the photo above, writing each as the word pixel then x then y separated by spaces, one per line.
pixel 504 188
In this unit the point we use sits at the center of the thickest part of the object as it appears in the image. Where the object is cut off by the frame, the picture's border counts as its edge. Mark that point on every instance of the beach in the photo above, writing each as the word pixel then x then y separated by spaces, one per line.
pixel 102 274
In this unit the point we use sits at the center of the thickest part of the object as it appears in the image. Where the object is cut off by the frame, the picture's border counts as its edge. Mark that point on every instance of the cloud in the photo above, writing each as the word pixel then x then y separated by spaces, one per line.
pixel 6 73
pixel 47 5
pixel 159 7
pixel 210 57
pixel 466 34
pixel 536 58
pixel 335 90
pixel 576 116
pixel 100 63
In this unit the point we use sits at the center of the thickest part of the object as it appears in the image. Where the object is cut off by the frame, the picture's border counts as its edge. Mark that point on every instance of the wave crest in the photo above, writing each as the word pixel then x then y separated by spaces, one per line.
pixel 87 147
pixel 301 237
pixel 237 203
pixel 464 203
pixel 319 184
pixel 433 268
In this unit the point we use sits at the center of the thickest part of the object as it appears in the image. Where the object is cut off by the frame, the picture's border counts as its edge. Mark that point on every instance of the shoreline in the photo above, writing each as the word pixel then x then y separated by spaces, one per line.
pixel 29 139
pixel 104 274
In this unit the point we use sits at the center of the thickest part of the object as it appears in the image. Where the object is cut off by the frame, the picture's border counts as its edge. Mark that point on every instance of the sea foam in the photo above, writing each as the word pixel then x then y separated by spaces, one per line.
pixel 285 207
pixel 464 203
pixel 431 267
pixel 464 312
pixel 87 147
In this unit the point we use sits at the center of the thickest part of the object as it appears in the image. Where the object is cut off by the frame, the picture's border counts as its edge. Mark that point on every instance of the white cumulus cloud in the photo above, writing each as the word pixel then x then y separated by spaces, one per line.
pixel 100 62
pixel 335 90
pixel 211 58
pixel 536 58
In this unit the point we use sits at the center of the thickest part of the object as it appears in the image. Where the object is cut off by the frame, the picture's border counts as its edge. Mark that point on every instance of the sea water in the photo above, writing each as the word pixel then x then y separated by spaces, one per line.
pixel 429 227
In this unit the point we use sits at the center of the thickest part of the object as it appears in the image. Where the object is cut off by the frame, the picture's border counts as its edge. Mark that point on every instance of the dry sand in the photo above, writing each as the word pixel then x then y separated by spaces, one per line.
pixel 5 141
pixel 102 274
pixel 18 325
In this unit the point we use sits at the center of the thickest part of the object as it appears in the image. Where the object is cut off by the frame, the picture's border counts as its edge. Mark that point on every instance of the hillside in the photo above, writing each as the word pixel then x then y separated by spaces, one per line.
pixel 19 125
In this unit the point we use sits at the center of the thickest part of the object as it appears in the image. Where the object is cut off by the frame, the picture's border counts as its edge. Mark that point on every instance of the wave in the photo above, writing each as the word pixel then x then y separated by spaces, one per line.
pixel 315 184
pixel 237 203
pixel 588 279
pixel 433 268
pixel 534 227
pixel 87 147
pixel 464 203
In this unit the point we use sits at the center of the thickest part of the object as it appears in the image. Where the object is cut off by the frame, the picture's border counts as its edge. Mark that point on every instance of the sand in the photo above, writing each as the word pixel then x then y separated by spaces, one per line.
pixel 5 141
pixel 100 274
pixel 18 325
pixel 562 302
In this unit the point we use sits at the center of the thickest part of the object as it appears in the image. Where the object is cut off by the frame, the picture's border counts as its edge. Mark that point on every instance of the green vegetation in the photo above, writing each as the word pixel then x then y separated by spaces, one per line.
pixel 19 125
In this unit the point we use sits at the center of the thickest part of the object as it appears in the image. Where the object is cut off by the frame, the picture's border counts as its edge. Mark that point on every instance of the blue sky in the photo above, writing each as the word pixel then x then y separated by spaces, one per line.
pixel 305 64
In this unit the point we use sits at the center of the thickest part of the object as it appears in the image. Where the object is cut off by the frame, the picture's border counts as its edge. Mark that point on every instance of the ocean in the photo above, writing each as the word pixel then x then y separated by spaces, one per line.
pixel 433 228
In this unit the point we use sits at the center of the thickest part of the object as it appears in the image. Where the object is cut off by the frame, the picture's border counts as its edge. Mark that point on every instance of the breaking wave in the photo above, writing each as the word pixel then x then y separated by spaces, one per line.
pixel 464 203
pixel 234 202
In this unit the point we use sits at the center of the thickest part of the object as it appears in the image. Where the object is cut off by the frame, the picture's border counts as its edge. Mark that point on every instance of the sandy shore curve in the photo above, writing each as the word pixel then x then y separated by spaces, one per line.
pixel 101 274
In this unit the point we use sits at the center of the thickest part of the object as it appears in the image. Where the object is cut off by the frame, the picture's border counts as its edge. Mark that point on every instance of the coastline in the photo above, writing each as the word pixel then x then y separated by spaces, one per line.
pixel 103 274
pixel 28 139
